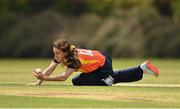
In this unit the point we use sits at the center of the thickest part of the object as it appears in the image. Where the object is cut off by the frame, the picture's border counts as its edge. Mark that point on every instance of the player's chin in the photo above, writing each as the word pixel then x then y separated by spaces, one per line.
pixel 59 60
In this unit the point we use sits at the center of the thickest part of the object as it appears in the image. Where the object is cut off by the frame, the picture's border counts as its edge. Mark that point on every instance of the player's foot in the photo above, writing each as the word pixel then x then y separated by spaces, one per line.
pixel 149 68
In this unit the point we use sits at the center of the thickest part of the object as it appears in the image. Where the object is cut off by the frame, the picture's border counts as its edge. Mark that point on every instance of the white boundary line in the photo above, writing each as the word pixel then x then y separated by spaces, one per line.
pixel 119 84
pixel 89 108
pixel 148 85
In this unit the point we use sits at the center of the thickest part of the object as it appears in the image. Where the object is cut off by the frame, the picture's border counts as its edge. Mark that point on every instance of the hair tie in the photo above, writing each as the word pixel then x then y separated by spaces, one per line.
pixel 72 47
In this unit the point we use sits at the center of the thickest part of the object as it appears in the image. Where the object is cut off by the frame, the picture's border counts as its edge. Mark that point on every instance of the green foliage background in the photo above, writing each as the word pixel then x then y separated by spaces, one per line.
pixel 123 28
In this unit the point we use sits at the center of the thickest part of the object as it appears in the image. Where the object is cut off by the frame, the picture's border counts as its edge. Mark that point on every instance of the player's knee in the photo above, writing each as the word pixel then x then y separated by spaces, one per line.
pixel 75 81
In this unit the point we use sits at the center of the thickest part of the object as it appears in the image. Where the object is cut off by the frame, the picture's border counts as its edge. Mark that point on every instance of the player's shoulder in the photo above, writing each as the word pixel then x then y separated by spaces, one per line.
pixel 84 49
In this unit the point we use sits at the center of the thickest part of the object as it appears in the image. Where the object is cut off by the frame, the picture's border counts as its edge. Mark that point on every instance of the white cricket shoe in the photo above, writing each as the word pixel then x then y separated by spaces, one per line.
pixel 149 68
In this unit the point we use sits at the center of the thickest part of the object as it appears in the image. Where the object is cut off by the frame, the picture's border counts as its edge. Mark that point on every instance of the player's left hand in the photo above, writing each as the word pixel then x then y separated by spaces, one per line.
pixel 39 75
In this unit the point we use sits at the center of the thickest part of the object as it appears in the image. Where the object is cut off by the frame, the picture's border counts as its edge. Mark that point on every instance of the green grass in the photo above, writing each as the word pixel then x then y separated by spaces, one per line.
pixel 113 96
pixel 45 102
pixel 15 73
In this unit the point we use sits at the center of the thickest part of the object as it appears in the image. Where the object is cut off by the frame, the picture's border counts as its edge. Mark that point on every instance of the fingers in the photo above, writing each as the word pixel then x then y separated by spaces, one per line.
pixel 38 75
pixel 35 74
pixel 31 84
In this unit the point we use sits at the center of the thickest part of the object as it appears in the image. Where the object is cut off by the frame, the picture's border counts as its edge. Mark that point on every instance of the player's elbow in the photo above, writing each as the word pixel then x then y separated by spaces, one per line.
pixel 64 78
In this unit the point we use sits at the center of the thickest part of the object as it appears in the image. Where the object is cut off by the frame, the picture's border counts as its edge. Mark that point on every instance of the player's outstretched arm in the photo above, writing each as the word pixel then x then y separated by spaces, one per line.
pixel 48 71
pixel 60 77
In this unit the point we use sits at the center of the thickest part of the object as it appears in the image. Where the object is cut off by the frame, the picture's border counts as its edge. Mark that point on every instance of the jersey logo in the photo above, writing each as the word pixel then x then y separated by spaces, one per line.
pixel 85 52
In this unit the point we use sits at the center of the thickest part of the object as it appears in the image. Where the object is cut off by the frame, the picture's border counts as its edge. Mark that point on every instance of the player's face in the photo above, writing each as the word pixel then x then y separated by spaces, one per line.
pixel 58 54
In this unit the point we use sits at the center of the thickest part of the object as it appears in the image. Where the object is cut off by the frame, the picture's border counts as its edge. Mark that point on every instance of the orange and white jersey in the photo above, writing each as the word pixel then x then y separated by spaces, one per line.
pixel 90 60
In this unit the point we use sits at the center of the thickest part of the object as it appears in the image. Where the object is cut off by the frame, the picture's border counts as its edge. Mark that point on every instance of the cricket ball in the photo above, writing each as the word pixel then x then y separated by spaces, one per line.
pixel 38 70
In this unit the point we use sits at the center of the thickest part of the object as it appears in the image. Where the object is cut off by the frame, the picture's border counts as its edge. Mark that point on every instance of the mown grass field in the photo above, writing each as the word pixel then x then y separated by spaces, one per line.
pixel 15 73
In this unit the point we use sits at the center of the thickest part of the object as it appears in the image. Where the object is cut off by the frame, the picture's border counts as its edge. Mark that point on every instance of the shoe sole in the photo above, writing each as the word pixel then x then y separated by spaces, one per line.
pixel 152 68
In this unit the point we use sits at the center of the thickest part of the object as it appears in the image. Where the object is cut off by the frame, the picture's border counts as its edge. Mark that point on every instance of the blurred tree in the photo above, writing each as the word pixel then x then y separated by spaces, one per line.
pixel 73 7
pixel 164 7
pixel 176 9
pixel 101 7
pixel 31 5
pixel 128 28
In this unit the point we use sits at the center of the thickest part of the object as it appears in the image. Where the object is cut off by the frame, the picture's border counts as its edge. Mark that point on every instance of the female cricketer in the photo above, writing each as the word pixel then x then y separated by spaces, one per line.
pixel 95 67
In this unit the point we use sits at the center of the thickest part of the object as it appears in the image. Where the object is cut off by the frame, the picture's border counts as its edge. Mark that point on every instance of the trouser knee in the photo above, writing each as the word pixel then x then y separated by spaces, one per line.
pixel 75 81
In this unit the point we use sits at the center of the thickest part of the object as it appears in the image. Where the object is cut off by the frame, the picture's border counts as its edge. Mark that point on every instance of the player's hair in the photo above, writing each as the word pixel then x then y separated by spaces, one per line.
pixel 70 50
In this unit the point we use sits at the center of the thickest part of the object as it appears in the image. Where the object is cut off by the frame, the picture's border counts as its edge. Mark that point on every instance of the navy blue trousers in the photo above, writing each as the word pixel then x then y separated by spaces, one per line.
pixel 95 78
